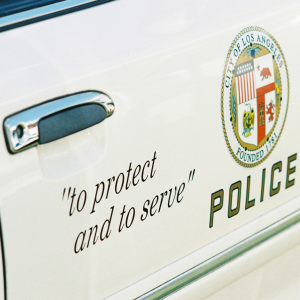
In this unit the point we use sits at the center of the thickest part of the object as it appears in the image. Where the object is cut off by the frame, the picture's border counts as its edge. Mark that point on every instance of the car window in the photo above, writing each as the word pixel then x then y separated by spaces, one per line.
pixel 8 7
pixel 22 12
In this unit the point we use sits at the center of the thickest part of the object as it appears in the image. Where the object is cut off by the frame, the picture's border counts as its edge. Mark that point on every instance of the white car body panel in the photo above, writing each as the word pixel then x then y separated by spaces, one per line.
pixel 161 62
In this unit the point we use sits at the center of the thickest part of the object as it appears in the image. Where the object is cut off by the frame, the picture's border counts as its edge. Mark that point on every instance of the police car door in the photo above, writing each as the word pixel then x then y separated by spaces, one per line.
pixel 131 150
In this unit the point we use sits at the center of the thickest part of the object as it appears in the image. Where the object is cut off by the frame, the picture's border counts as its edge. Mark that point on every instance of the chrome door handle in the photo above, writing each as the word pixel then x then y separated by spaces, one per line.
pixel 55 119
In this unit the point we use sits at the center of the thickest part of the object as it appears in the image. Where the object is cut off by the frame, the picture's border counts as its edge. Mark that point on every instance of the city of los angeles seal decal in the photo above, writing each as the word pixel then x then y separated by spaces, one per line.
pixel 255 96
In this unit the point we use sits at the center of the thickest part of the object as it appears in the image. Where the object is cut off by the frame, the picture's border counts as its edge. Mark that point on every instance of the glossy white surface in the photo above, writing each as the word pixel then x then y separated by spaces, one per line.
pixel 270 271
pixel 234 270
pixel 161 62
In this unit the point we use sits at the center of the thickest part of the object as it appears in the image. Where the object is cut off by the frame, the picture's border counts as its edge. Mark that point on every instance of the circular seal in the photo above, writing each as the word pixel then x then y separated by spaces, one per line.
pixel 255 96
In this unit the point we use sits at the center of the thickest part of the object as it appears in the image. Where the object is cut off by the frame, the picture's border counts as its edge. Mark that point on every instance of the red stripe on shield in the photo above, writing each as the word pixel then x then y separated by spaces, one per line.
pixel 251 85
pixel 240 88
pixel 248 90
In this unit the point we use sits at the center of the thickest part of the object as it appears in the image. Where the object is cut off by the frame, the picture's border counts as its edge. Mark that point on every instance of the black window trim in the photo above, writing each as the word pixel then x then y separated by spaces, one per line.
pixel 45 12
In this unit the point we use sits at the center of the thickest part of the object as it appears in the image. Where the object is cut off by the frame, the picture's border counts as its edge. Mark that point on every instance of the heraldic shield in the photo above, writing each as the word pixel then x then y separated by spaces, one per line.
pixel 256 98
